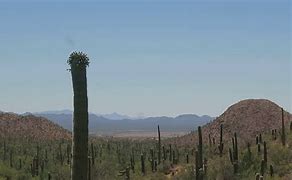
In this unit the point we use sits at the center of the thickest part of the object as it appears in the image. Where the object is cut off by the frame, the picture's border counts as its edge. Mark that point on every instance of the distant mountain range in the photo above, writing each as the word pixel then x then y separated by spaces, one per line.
pixel 102 125
pixel 112 116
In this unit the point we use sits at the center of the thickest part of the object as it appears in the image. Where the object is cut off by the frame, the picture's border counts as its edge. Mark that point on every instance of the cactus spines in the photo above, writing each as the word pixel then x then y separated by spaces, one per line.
pixel 78 62
pixel 159 145
pixel 283 135
pixel 221 145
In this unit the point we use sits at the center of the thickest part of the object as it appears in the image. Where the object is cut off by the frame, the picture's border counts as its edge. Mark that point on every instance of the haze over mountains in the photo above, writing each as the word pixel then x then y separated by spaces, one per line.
pixel 111 116
pixel 106 125
pixel 247 118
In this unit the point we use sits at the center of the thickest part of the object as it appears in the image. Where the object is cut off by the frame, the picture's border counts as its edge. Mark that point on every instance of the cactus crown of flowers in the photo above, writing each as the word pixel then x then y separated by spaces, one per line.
pixel 78 59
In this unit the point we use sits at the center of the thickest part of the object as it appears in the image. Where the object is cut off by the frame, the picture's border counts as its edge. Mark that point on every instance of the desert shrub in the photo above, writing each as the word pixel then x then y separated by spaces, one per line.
pixel 220 169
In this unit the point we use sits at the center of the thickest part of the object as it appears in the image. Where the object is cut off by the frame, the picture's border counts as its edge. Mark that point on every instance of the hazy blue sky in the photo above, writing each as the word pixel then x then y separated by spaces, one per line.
pixel 151 57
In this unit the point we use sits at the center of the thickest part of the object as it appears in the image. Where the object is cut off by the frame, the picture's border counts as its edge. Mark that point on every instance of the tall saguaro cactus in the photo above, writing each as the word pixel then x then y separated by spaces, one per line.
pixel 78 62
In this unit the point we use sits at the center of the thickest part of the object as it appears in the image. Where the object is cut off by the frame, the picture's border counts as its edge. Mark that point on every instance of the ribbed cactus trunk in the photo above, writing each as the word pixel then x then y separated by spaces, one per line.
pixel 78 63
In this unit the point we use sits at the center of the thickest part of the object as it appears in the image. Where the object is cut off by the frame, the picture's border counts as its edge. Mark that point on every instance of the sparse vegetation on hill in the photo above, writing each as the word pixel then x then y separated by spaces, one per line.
pixel 218 156
pixel 38 128
pixel 248 118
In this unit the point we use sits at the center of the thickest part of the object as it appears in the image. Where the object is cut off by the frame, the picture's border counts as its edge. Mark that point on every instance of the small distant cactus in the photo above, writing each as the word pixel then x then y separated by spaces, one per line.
pixel 197 169
pixel 260 138
pixel 233 154
pixel 283 135
pixel 265 153
pixel 143 164
pixel 271 170
pixel 89 168
pixel 11 159
pixel 164 153
pixel 159 145
pixel 221 145
pixel 257 177
pixel 199 156
pixel 92 154
pixel 170 153
pixel 200 147
pixel 210 140
pixel 152 160
pixel 263 167
pixel 259 148
pixel 125 173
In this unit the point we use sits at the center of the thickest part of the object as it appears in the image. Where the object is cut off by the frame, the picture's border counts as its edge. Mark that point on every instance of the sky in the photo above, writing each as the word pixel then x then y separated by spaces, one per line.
pixel 148 58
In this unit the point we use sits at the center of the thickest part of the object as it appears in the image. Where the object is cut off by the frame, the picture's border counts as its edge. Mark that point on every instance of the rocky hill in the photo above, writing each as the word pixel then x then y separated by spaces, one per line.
pixel 38 128
pixel 247 118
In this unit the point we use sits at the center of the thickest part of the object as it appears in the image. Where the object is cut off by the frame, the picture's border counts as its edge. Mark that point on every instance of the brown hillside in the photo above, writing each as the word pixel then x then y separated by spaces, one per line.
pixel 248 118
pixel 38 128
